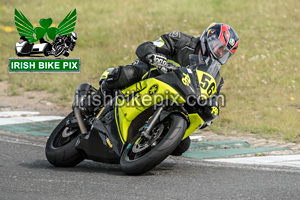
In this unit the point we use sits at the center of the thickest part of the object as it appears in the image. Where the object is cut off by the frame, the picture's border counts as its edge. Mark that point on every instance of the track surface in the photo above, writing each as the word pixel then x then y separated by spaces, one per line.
pixel 26 174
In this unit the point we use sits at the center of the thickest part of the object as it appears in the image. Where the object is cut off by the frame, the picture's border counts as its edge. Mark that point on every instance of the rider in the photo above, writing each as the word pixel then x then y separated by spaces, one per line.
pixel 219 42
pixel 65 40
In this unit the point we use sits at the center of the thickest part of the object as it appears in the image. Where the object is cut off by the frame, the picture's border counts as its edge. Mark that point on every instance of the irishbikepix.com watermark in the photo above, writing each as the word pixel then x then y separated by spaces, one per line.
pixel 44 65
pixel 147 100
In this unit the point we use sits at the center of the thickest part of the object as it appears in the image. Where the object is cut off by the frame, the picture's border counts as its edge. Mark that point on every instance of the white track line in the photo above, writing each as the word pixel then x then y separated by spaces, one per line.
pixel 22 120
pixel 17 113
pixel 14 141
pixel 197 137
pixel 283 160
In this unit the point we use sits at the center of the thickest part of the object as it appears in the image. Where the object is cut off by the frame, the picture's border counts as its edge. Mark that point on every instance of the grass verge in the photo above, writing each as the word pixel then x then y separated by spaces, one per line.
pixel 261 81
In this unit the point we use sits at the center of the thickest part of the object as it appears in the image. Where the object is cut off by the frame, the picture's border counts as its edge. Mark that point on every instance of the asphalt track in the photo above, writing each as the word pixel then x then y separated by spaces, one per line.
pixel 26 174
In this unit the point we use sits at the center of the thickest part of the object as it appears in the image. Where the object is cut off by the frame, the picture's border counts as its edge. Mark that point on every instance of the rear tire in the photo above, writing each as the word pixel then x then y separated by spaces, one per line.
pixel 136 163
pixel 61 151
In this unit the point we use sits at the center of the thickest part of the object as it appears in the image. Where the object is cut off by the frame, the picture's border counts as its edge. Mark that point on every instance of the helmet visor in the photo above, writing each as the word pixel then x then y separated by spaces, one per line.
pixel 218 49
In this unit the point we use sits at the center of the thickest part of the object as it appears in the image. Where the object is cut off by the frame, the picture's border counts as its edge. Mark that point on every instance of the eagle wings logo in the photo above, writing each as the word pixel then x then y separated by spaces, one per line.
pixel 26 29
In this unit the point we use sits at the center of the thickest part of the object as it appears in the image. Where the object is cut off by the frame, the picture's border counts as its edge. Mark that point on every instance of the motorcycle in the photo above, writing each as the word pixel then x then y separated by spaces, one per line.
pixel 143 124
pixel 60 47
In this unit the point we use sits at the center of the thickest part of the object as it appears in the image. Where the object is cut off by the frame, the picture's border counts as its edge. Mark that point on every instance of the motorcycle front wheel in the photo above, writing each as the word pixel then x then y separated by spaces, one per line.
pixel 59 50
pixel 60 147
pixel 141 154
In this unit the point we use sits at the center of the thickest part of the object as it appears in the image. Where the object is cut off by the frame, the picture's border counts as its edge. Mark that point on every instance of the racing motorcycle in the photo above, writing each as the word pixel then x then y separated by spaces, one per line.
pixel 60 48
pixel 143 124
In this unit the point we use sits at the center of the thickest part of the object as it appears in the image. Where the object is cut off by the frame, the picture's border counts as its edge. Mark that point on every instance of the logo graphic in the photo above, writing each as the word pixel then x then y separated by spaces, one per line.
pixel 153 89
pixel 186 79
pixel 210 32
pixel 214 110
pixel 231 41
pixel 175 34
pixel 63 36
pixel 45 40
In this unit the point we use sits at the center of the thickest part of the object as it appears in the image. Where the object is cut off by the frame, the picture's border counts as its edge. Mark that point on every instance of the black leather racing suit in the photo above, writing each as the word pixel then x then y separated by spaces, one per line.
pixel 176 46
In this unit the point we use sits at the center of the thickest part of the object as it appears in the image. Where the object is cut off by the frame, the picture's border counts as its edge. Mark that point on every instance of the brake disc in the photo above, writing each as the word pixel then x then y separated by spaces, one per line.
pixel 67 132
pixel 156 132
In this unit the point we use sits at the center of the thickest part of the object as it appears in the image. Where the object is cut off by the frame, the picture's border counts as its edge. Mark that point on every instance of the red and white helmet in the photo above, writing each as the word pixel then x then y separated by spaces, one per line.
pixel 221 41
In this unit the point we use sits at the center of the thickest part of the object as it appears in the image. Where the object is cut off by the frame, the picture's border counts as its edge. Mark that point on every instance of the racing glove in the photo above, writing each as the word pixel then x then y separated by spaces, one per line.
pixel 157 60
pixel 160 61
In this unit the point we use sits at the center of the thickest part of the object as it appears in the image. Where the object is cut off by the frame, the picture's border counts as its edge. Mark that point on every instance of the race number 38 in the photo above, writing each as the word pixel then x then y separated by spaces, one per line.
pixel 207 84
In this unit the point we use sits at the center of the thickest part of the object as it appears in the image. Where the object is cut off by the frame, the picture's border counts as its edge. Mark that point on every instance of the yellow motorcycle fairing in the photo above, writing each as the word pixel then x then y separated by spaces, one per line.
pixel 144 95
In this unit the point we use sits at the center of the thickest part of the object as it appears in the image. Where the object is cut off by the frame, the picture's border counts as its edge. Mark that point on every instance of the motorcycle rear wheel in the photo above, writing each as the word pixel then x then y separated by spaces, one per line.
pixel 141 156
pixel 60 147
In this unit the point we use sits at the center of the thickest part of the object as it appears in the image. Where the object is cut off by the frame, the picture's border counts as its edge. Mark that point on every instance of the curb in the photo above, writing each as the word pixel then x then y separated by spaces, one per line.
pixel 227 149
pixel 218 145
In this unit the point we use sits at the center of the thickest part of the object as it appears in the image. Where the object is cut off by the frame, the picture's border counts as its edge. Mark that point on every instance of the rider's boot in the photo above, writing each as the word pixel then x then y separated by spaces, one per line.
pixel 182 147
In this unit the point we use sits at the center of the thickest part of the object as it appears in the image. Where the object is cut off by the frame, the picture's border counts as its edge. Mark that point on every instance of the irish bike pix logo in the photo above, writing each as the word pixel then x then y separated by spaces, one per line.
pixel 37 45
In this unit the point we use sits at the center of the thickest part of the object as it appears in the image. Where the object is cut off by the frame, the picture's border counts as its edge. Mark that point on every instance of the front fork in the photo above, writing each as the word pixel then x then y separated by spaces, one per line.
pixel 158 114
pixel 147 130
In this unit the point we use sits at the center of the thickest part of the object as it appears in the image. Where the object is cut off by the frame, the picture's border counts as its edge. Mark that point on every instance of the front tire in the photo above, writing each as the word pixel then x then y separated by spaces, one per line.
pixel 60 148
pixel 140 157
pixel 58 51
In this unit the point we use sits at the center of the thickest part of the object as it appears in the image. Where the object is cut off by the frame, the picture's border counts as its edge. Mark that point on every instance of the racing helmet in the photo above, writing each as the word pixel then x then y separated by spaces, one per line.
pixel 221 41
pixel 74 36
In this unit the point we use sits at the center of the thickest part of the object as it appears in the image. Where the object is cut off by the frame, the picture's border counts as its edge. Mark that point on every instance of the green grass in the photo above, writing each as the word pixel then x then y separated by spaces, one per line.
pixel 261 81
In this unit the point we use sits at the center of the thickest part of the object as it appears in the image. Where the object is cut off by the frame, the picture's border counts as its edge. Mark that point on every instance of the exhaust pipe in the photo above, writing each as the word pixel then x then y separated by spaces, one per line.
pixel 83 90
pixel 79 118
